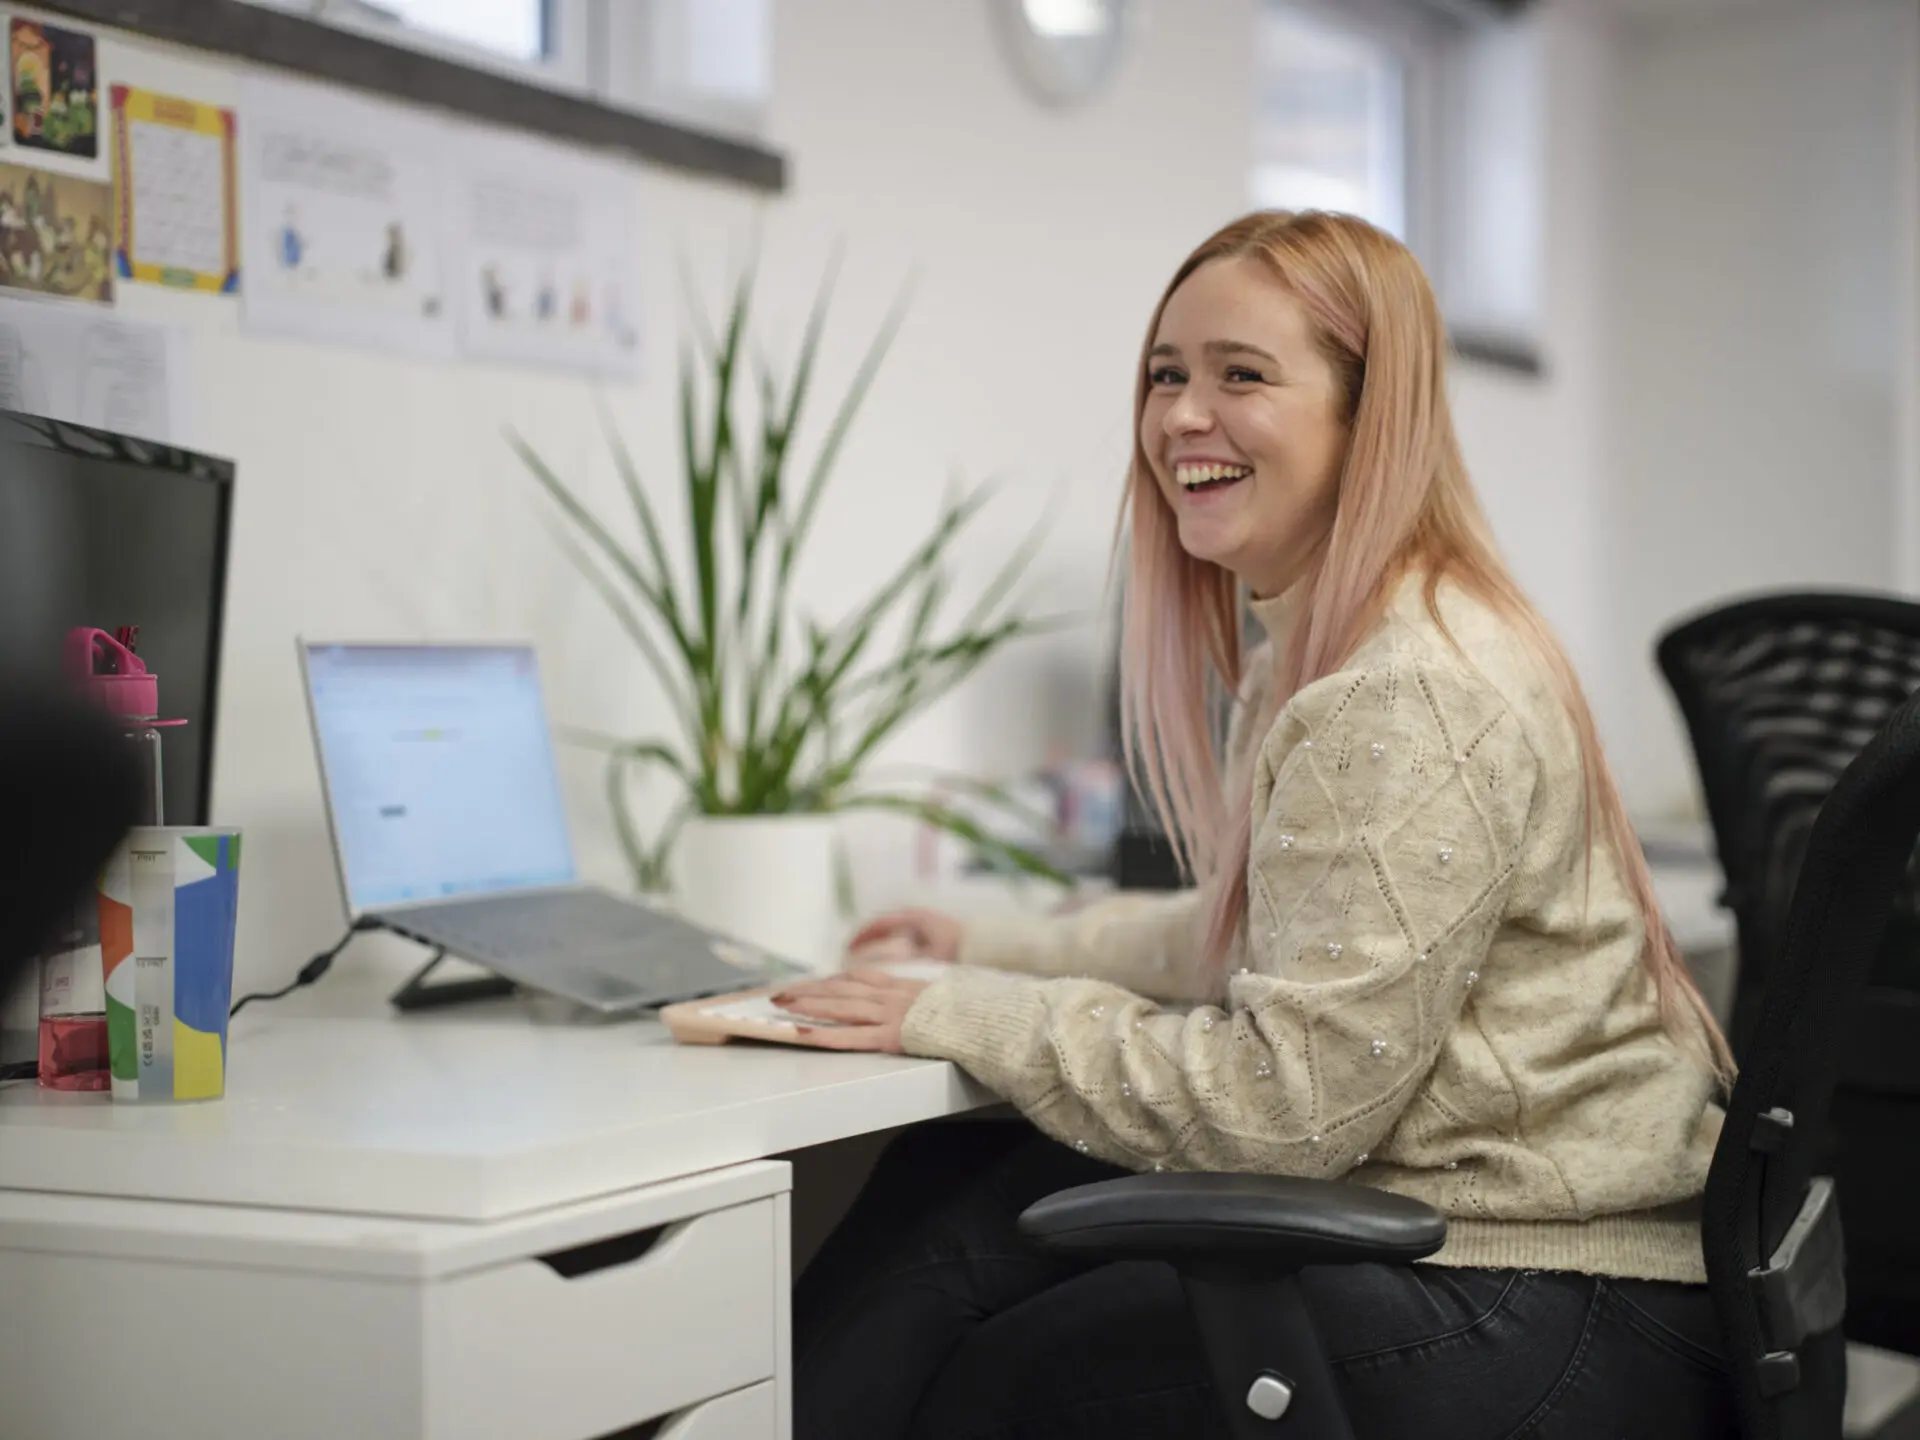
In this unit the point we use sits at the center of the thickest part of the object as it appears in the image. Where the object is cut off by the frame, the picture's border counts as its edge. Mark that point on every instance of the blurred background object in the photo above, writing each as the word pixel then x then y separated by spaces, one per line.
pixel 68 789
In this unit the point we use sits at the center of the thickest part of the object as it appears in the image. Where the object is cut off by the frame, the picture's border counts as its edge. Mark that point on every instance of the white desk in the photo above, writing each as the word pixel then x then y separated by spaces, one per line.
pixel 366 1237
pixel 352 1241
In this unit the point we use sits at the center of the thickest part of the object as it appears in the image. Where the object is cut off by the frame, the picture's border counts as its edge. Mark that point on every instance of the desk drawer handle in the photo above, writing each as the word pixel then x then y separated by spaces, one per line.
pixel 605 1254
pixel 646 1429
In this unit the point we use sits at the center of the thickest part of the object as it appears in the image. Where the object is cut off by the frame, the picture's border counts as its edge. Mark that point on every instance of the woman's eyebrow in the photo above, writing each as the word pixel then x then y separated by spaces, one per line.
pixel 1239 347
pixel 1216 347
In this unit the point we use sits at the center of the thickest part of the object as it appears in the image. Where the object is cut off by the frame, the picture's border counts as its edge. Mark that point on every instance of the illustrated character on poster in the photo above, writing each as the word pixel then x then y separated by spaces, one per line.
pixel 293 245
pixel 21 234
pixel 66 271
pixel 45 244
pixel 31 203
pixel 99 258
pixel 393 260
pixel 19 246
pixel 581 310
pixel 32 81
pixel 46 227
pixel 494 291
pixel 546 301
pixel 616 319
pixel 55 97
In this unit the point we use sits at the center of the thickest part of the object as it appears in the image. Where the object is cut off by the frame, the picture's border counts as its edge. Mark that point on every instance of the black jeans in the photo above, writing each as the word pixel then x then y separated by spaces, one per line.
pixel 925 1316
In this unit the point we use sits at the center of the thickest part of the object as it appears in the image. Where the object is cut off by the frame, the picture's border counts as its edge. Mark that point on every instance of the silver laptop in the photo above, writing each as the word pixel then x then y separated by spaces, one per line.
pixel 444 803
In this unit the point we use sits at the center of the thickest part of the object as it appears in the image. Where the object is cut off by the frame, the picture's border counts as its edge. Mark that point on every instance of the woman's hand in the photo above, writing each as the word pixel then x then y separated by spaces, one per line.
pixel 907 935
pixel 868 1006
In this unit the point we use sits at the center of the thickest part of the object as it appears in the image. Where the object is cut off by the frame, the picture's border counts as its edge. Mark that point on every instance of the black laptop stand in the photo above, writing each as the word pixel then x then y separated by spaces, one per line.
pixel 416 994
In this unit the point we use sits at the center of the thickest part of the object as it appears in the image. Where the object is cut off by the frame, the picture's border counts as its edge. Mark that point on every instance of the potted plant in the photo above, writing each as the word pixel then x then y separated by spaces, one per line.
pixel 777 717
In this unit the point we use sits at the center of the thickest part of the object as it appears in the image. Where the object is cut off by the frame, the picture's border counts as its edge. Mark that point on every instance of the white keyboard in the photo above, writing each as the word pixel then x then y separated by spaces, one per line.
pixel 762 1008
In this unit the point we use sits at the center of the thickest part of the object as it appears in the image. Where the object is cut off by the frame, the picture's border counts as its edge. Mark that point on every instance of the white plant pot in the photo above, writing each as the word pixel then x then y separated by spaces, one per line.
pixel 767 880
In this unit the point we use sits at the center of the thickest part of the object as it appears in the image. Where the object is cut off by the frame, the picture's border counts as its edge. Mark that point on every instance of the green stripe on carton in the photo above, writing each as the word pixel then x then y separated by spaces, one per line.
pixel 123 1040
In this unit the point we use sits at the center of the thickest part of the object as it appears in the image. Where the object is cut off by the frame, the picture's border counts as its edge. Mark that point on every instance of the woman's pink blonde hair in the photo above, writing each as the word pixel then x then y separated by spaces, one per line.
pixel 1405 507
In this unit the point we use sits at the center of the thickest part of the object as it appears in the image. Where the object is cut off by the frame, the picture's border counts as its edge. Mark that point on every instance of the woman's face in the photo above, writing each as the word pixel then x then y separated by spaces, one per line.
pixel 1243 423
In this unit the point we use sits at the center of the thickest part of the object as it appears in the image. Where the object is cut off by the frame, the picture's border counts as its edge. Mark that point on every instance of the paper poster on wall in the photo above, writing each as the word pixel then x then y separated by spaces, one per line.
pixel 549 257
pixel 86 367
pixel 174 192
pixel 56 89
pixel 344 231
pixel 55 234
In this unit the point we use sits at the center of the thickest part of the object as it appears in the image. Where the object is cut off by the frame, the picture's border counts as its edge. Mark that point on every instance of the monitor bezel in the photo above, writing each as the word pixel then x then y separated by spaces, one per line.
pixel 66 437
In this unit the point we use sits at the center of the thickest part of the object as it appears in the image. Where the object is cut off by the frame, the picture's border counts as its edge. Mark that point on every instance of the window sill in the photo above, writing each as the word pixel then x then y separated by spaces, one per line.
pixel 263 36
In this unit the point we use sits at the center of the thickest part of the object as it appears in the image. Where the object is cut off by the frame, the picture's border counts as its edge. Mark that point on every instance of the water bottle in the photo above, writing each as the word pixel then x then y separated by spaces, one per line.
pixel 73 998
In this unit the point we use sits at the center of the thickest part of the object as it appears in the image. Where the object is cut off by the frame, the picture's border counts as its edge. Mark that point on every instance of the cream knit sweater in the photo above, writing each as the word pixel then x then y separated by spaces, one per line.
pixel 1435 996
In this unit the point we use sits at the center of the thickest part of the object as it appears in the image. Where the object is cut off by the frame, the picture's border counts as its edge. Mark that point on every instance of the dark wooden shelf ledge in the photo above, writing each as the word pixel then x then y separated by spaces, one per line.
pixel 264 36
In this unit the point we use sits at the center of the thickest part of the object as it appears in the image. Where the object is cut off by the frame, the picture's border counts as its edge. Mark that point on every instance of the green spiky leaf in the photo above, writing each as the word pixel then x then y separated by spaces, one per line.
pixel 780 712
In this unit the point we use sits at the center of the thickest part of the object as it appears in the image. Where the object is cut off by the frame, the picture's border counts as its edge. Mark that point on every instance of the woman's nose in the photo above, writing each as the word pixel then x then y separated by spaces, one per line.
pixel 1187 416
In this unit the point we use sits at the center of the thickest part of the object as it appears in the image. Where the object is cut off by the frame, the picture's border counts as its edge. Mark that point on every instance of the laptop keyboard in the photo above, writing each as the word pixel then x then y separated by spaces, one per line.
pixel 607 948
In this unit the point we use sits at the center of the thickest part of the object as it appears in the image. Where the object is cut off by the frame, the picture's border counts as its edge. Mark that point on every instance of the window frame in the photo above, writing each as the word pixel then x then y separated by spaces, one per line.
pixel 1418 40
pixel 606 50
pixel 636 31
pixel 567 65
pixel 1427 41
pixel 283 34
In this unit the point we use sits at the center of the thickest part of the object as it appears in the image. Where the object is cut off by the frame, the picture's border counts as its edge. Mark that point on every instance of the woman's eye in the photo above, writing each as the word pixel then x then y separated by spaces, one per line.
pixel 1165 375
pixel 1242 375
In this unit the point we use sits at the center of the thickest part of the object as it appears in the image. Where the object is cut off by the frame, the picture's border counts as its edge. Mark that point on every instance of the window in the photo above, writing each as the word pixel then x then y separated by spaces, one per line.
pixel 518 29
pixel 1492 235
pixel 547 41
pixel 1429 126
pixel 1332 129
pixel 709 62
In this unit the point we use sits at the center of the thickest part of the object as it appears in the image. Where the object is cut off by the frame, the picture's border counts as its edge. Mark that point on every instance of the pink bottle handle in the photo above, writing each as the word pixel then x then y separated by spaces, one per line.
pixel 111 675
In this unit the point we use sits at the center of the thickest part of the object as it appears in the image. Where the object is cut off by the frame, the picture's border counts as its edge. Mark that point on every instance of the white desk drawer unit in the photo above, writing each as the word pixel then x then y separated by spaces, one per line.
pixel 580 1342
pixel 667 1304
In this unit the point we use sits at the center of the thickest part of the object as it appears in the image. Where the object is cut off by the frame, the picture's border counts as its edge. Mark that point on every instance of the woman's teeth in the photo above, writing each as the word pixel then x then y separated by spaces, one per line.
pixel 1200 477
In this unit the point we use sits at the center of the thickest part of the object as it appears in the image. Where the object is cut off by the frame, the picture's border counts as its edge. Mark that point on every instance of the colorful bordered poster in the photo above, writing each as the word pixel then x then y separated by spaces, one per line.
pixel 175 201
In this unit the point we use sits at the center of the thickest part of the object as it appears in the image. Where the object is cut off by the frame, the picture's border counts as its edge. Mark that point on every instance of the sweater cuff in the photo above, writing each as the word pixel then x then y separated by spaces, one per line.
pixel 1003 942
pixel 988 1023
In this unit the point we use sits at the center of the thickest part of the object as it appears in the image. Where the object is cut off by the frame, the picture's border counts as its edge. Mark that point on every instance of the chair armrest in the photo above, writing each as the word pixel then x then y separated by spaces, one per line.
pixel 1276 1223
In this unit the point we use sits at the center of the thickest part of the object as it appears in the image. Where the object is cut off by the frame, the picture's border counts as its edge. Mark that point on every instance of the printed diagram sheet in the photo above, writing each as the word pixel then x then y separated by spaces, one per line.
pixel 345 220
pixel 80 365
pixel 549 259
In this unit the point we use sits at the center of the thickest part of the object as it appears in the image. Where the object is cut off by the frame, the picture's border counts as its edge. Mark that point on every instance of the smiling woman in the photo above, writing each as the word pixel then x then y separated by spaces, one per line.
pixel 1243 422
pixel 1421 952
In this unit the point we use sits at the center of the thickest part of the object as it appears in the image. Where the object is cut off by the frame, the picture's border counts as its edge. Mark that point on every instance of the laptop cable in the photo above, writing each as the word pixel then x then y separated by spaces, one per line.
pixel 309 972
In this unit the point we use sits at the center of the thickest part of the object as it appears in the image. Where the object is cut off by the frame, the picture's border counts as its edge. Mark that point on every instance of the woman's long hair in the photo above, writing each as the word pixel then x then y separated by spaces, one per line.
pixel 1405 506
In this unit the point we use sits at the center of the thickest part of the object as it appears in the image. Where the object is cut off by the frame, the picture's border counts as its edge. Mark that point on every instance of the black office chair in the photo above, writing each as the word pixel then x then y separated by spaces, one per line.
pixel 1779 693
pixel 1771 1226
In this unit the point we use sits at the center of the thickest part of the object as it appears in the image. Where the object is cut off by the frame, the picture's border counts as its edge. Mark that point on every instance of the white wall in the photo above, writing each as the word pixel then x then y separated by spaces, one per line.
pixel 1532 442
pixel 1752 427
pixel 375 499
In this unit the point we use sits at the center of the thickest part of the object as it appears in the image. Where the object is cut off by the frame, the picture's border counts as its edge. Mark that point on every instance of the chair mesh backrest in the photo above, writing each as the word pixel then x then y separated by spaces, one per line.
pixel 1779 694
pixel 1856 858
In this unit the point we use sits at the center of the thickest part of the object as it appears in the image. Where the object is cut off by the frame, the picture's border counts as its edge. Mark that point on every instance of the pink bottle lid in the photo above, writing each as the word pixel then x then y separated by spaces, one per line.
pixel 112 676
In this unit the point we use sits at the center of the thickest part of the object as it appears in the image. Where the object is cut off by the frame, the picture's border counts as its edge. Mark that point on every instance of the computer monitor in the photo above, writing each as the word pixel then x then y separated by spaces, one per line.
pixel 439 772
pixel 101 530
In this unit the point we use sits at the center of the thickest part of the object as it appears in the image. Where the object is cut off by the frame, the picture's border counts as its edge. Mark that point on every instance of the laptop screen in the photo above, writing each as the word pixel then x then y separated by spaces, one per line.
pixel 439 771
